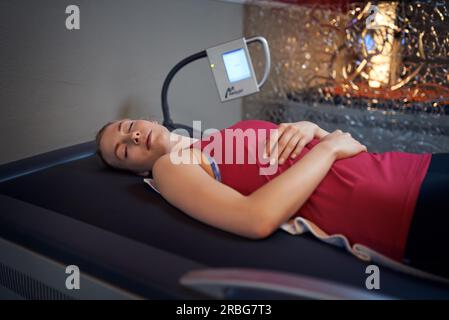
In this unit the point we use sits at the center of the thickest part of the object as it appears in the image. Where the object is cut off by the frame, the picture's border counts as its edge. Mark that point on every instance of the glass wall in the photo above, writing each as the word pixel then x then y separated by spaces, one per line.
pixel 379 70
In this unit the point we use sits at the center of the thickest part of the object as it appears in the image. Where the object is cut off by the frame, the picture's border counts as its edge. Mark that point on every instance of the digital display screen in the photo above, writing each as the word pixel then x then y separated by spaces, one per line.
pixel 236 65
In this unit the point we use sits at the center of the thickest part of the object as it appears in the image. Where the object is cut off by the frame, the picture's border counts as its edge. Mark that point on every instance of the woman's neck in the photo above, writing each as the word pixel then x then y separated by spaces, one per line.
pixel 179 142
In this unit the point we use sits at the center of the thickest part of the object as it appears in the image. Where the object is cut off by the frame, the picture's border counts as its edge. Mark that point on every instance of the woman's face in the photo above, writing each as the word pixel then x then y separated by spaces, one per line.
pixel 134 144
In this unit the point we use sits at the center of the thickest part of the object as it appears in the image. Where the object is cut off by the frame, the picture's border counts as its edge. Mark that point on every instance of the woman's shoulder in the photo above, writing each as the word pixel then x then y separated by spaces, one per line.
pixel 166 163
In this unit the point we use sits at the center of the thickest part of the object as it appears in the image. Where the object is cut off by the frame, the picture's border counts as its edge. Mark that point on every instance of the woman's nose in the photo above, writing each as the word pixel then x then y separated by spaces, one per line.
pixel 134 137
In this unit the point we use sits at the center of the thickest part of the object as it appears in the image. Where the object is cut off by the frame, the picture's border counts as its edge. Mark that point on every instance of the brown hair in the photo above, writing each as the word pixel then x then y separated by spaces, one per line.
pixel 98 137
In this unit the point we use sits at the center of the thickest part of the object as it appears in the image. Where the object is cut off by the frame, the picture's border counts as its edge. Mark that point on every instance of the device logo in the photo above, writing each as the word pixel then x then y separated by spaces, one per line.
pixel 231 91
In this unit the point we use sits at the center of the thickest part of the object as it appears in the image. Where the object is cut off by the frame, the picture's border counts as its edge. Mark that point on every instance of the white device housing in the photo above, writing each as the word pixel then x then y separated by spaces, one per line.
pixel 232 68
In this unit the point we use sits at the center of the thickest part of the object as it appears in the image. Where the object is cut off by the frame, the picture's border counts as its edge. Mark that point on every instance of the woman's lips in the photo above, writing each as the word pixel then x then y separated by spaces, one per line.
pixel 148 141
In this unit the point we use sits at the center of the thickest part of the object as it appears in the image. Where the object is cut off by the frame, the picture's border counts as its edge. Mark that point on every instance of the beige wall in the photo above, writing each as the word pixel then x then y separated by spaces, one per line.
pixel 57 87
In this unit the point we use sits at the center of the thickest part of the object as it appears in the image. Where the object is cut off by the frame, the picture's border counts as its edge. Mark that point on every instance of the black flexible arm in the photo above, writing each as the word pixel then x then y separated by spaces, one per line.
pixel 168 122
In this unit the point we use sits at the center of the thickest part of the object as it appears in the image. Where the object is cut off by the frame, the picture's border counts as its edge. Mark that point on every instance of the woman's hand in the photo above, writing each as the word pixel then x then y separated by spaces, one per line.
pixel 291 139
pixel 342 144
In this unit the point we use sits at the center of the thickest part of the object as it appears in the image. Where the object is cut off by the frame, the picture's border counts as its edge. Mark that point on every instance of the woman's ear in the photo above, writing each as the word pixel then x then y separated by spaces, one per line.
pixel 143 174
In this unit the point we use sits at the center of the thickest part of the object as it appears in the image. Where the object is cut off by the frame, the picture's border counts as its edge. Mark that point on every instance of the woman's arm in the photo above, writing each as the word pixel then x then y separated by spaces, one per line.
pixel 277 200
pixel 280 198
pixel 188 187
pixel 320 133
pixel 191 189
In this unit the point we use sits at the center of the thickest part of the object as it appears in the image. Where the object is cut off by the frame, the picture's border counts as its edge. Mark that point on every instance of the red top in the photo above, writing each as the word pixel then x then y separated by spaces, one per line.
pixel 369 198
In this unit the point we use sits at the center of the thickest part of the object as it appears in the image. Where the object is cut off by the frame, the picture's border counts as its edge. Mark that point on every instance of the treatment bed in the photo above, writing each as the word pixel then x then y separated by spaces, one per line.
pixel 64 208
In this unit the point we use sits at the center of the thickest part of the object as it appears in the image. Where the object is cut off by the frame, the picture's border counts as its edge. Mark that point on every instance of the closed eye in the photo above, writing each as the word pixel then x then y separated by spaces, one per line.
pixel 129 130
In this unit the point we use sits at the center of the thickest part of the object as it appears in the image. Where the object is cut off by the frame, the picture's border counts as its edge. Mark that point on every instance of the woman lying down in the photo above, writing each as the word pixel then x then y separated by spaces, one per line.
pixel 255 177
